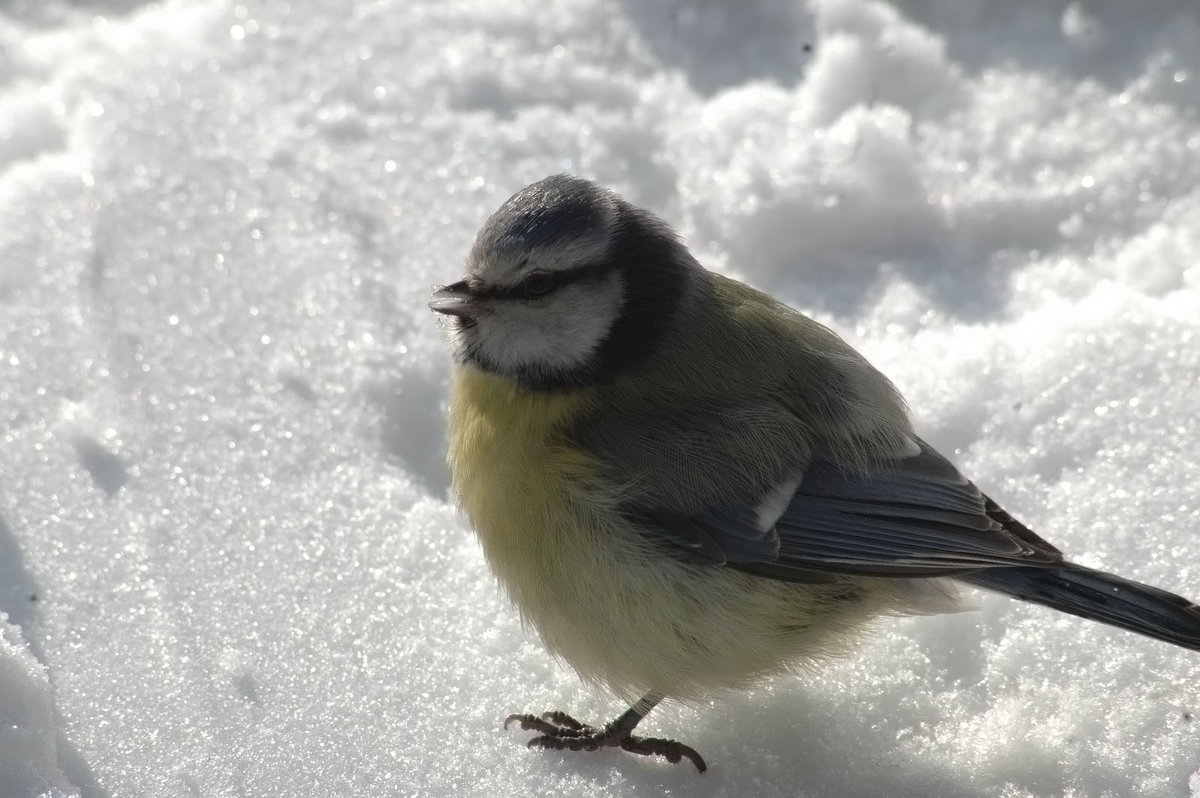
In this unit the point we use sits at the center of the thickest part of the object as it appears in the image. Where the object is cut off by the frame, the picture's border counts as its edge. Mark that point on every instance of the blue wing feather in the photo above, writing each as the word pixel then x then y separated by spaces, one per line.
pixel 915 516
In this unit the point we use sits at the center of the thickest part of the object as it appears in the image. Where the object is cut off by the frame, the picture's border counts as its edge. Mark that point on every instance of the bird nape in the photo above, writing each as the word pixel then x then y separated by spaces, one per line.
pixel 687 487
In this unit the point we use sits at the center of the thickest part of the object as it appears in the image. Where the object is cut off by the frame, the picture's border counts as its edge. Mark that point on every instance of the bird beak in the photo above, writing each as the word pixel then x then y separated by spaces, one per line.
pixel 456 299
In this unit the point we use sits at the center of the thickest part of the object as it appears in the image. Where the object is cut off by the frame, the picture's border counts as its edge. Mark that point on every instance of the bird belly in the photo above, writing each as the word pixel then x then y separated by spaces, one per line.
pixel 613 604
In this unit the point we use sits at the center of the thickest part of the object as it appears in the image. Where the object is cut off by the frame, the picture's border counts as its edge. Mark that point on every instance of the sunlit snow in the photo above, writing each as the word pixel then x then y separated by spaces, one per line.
pixel 228 564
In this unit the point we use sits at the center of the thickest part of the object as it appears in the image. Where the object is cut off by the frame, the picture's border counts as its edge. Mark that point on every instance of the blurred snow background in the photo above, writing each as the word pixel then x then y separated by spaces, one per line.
pixel 227 562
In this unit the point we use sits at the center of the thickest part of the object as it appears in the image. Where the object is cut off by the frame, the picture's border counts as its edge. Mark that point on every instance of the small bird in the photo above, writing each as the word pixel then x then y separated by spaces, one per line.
pixel 687 487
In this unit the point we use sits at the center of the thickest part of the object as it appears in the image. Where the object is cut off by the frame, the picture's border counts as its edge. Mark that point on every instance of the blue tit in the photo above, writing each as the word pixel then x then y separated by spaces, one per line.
pixel 687 487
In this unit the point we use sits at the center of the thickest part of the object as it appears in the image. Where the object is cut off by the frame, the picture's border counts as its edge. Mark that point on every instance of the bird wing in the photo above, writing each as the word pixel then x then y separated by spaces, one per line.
pixel 757 438
pixel 914 516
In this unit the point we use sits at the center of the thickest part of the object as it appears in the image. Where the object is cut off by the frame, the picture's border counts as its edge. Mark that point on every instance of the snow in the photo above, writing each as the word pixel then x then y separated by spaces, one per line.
pixel 228 565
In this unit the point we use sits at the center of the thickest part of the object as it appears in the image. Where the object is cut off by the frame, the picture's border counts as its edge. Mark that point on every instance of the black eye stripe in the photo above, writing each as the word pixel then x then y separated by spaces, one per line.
pixel 539 284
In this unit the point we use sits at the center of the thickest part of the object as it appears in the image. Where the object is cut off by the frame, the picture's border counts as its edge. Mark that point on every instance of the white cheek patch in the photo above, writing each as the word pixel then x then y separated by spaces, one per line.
pixel 560 332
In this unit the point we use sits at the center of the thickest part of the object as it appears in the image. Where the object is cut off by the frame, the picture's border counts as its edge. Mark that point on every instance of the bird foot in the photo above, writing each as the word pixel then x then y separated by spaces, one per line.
pixel 558 731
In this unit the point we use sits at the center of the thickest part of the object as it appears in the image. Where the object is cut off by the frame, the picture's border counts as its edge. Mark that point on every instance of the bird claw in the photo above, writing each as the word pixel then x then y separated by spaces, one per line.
pixel 550 724
pixel 558 731
pixel 567 723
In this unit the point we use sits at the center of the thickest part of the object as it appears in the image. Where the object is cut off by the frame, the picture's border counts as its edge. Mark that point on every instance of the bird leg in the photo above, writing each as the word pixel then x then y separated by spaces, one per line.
pixel 558 731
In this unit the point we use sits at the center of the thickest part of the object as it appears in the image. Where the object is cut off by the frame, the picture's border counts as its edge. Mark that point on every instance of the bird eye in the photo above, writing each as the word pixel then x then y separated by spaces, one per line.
pixel 537 285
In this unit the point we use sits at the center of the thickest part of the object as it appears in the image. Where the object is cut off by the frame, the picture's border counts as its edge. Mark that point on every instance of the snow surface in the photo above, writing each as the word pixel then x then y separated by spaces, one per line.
pixel 227 561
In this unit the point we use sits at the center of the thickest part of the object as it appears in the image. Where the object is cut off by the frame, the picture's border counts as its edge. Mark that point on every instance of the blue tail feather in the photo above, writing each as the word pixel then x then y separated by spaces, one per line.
pixel 1099 596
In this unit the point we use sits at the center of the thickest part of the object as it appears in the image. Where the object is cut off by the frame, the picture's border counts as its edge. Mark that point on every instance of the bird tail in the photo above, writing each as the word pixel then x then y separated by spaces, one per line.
pixel 1102 597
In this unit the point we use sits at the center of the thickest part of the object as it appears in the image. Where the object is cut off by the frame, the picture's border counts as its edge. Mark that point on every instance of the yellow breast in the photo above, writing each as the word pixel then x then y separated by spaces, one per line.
pixel 518 484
